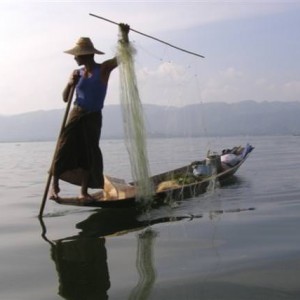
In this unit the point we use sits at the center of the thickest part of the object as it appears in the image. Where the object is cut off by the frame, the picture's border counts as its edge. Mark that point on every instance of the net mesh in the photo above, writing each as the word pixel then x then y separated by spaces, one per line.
pixel 133 119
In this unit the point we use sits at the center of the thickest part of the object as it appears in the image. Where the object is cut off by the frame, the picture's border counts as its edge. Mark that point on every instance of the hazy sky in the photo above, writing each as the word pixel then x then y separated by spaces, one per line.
pixel 251 50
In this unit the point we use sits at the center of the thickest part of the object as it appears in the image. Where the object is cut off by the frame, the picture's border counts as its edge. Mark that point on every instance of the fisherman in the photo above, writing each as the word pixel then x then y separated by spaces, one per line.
pixel 78 159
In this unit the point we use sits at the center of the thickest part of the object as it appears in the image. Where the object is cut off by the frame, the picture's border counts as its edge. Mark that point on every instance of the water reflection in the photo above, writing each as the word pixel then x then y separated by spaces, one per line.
pixel 145 265
pixel 81 260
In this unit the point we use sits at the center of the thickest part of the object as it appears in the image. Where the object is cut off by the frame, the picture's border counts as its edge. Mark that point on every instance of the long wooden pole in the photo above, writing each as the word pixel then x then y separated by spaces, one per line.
pixel 70 97
pixel 151 37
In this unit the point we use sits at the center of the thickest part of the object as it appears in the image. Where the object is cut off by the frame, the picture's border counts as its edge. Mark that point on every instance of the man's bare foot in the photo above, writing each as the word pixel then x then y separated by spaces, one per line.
pixel 54 192
pixel 86 196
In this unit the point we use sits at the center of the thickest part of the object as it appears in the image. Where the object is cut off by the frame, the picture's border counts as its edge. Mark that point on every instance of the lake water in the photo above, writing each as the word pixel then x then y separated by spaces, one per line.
pixel 240 241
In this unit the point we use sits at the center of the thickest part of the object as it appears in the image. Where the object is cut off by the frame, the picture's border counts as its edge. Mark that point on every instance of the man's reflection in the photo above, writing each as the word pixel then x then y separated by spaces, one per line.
pixel 81 264
pixel 81 260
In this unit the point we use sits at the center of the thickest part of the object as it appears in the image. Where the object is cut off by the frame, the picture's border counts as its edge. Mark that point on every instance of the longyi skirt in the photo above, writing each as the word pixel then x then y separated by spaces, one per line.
pixel 78 149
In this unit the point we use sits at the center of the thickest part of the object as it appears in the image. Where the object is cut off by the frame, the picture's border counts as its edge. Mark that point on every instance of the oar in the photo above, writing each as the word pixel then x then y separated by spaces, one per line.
pixel 70 97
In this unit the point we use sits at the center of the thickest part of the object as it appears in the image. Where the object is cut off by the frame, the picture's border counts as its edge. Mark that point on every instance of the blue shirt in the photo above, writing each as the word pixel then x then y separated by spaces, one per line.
pixel 91 91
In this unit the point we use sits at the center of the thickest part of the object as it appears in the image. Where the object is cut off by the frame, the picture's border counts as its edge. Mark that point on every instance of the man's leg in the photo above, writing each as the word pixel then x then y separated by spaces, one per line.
pixel 55 188
pixel 84 186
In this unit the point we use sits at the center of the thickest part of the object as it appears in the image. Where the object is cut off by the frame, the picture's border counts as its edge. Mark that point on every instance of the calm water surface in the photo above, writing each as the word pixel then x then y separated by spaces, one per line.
pixel 240 241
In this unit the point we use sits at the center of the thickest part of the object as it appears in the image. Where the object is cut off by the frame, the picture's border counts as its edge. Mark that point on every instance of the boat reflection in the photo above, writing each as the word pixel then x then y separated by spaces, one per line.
pixel 106 222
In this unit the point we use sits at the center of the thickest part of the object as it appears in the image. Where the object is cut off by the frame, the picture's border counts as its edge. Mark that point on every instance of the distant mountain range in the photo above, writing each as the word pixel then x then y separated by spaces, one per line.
pixel 206 119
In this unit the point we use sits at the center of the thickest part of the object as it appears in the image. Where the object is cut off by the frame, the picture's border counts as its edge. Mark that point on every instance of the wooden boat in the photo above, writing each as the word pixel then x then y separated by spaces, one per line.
pixel 174 185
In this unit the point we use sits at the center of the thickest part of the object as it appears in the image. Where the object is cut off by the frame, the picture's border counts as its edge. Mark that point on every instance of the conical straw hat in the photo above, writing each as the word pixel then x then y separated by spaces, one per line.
pixel 84 46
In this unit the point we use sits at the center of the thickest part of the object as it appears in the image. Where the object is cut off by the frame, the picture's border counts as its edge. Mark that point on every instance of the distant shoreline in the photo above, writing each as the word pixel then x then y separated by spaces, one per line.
pixel 246 118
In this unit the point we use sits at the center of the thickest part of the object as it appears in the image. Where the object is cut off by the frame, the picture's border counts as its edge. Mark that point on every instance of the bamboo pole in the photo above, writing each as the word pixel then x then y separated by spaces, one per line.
pixel 151 37
pixel 70 97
